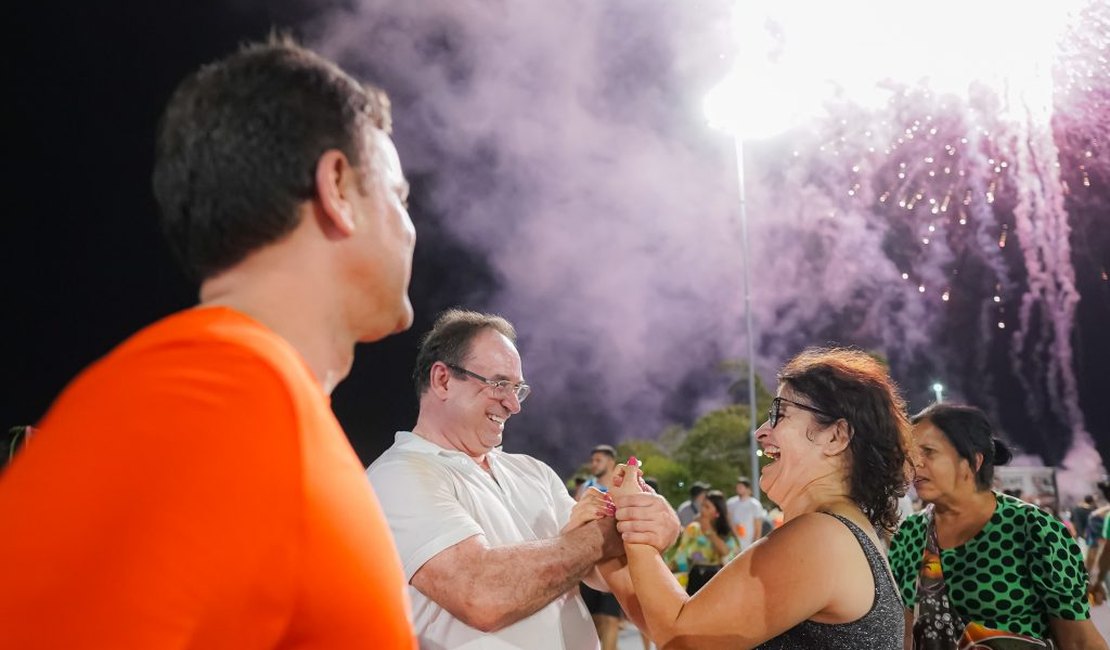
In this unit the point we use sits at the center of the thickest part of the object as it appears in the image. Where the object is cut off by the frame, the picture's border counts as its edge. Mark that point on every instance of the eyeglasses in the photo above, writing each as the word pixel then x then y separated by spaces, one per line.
pixel 775 413
pixel 501 387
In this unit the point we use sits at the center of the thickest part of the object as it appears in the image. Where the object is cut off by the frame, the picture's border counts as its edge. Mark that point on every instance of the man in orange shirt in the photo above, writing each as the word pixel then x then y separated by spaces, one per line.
pixel 193 488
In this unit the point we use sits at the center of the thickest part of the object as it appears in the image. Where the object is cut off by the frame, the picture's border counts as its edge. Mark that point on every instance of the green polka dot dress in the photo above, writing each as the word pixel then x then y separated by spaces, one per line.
pixel 1021 570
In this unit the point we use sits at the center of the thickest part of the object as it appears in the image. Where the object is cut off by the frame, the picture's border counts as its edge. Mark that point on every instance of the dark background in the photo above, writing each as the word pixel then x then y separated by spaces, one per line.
pixel 86 264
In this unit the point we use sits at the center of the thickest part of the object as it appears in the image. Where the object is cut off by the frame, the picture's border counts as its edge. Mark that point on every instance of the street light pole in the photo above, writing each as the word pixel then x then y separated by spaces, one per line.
pixel 738 140
pixel 938 390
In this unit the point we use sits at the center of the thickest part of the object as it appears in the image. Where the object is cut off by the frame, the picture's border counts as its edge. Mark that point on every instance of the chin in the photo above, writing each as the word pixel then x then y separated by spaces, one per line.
pixel 406 317
pixel 926 493
pixel 388 324
pixel 768 487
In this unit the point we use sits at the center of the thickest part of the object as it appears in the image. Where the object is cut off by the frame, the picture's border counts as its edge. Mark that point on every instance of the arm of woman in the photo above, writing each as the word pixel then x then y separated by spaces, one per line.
pixel 615 573
pixel 655 525
pixel 778 582
pixel 1076 635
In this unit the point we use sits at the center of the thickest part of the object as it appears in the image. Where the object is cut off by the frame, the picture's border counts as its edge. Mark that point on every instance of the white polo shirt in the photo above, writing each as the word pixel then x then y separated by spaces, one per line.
pixel 435 498
pixel 745 513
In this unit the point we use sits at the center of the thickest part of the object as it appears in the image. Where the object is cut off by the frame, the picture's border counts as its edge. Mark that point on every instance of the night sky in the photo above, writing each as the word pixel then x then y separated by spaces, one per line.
pixel 87 266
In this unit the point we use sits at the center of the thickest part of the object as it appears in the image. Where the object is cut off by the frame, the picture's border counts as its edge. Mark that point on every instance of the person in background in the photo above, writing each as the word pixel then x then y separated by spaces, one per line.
pixel 688 509
pixel 602 605
pixel 706 545
pixel 1095 523
pixel 193 488
pixel 1097 561
pixel 746 513
pixel 1081 514
pixel 976 563
pixel 16 438
pixel 603 458
pixel 837 438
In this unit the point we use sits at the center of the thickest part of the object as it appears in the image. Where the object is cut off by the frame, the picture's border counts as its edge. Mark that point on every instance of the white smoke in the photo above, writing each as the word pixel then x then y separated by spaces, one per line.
pixel 568 149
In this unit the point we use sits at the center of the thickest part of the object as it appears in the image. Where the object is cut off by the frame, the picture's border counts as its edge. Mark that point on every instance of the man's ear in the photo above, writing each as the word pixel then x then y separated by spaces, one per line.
pixel 438 380
pixel 333 187
pixel 841 438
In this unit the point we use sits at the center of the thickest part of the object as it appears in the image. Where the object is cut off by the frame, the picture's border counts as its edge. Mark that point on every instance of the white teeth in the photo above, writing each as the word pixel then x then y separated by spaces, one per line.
pixel 772 452
pixel 499 420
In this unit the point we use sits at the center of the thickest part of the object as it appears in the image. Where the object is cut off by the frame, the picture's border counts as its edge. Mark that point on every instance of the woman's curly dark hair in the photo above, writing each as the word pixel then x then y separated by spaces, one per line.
pixel 857 387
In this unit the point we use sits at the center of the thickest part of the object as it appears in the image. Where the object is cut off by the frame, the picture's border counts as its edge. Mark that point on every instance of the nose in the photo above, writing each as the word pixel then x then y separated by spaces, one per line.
pixel 511 402
pixel 763 430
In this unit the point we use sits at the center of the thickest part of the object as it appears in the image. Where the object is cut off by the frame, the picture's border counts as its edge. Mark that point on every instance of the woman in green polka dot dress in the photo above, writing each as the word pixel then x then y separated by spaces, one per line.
pixel 1004 565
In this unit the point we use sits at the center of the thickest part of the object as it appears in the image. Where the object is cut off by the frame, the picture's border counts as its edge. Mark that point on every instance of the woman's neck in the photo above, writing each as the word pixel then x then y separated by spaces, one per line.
pixel 964 505
pixel 820 495
pixel 960 518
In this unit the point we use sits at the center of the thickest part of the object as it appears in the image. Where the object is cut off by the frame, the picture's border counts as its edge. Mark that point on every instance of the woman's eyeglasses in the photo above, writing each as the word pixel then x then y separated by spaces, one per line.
pixel 775 414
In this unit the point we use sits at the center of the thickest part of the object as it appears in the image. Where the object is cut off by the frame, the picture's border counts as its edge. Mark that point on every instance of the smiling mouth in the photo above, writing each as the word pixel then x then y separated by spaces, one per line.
pixel 497 419
pixel 772 452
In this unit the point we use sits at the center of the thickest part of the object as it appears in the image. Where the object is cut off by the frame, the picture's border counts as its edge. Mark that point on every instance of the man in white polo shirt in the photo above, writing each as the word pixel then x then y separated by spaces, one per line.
pixel 745 513
pixel 491 543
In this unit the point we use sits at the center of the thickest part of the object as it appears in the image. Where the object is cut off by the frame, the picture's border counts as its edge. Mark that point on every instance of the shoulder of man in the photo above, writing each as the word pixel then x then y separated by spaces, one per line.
pixel 525 463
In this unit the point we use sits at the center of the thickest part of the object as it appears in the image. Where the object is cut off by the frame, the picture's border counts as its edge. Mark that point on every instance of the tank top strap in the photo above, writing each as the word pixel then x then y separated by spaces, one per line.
pixel 870 551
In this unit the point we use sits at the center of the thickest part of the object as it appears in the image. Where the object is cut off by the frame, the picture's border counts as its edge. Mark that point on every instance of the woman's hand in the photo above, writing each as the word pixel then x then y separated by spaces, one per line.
pixel 593 505
pixel 629 479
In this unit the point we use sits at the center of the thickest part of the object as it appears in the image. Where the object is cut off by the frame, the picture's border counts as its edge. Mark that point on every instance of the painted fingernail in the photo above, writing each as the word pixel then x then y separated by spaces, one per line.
pixel 632 462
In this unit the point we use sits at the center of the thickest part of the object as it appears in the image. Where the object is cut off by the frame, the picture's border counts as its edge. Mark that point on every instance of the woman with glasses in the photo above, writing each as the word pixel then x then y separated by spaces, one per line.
pixel 976 565
pixel 837 437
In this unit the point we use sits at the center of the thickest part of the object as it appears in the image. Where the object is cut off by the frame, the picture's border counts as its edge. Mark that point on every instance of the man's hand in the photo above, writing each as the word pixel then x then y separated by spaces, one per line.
pixel 594 504
pixel 644 518
pixel 613 544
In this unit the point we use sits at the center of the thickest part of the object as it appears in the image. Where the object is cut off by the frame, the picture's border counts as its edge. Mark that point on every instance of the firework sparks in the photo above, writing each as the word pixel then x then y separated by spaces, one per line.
pixel 952 148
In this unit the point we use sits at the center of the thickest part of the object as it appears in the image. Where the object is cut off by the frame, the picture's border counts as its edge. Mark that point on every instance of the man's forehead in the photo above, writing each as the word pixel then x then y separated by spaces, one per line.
pixel 495 349
pixel 381 147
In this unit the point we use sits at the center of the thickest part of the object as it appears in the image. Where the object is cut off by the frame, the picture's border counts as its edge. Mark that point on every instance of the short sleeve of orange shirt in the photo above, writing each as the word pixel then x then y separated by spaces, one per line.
pixel 193 490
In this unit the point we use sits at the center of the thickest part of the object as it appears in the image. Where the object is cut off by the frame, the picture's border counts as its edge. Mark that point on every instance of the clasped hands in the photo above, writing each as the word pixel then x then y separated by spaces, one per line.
pixel 643 517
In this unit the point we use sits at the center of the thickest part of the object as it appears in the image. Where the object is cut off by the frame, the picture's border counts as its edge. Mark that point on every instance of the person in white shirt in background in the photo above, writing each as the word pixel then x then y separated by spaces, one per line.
pixel 745 513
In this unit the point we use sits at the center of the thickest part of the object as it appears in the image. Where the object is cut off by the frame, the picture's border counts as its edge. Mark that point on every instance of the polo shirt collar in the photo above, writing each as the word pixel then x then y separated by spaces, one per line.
pixel 409 441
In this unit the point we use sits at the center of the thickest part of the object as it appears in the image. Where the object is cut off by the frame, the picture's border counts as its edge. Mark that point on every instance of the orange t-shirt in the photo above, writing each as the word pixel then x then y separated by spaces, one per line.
pixel 193 490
